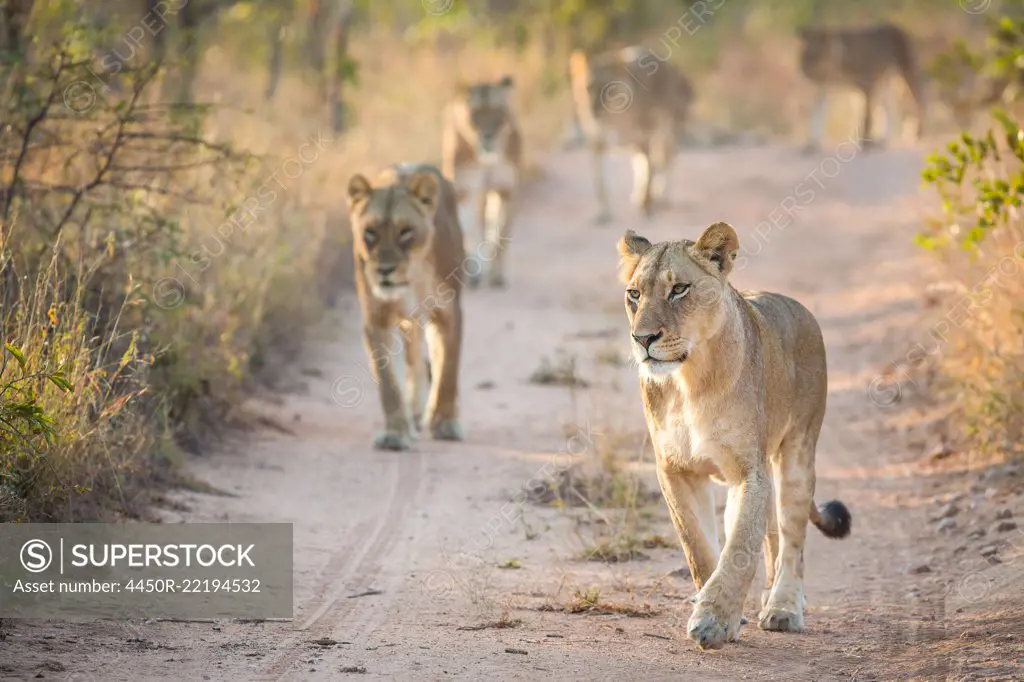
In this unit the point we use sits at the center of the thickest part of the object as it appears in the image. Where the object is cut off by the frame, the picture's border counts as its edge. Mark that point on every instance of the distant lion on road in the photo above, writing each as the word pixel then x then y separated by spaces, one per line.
pixel 408 251
pixel 861 58
pixel 631 97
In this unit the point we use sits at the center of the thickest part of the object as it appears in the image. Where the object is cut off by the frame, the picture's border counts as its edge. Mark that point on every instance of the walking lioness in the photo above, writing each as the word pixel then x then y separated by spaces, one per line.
pixel 481 154
pixel 641 102
pixel 408 253
pixel 862 58
pixel 733 387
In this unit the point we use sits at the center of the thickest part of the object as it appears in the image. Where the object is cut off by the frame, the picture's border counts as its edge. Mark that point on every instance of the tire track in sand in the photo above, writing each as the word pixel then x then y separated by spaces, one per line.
pixel 346 572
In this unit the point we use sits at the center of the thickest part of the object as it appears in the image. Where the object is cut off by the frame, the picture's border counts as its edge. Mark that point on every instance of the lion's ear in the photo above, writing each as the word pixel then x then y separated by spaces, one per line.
pixel 359 189
pixel 719 245
pixel 424 186
pixel 632 247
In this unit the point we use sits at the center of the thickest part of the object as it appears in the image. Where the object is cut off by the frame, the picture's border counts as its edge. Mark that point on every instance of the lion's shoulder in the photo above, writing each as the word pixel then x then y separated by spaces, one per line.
pixel 787 322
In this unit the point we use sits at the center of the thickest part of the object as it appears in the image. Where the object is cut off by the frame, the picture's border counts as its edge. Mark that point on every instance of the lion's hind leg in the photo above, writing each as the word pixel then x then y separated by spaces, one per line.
pixel 793 474
pixel 771 548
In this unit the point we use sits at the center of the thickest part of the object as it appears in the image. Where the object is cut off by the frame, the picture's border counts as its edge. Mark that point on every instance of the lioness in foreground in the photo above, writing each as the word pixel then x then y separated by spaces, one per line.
pixel 734 387
pixel 482 152
pixel 640 101
pixel 862 58
pixel 408 253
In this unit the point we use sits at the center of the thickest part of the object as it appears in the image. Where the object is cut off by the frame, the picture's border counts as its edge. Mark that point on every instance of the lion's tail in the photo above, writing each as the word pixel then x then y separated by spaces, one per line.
pixel 832 519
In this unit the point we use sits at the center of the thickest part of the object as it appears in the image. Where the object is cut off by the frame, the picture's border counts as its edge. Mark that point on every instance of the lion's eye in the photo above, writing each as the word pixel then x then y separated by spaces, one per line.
pixel 680 290
pixel 370 237
pixel 405 236
pixel 633 294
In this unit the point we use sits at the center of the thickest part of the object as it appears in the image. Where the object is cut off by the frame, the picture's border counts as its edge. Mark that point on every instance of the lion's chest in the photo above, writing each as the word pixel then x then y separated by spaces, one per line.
pixel 687 442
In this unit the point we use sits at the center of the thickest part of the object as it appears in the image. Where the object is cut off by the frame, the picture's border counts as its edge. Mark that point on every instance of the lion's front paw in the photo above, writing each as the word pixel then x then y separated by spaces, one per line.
pixel 446 429
pixel 710 627
pixel 779 619
pixel 392 440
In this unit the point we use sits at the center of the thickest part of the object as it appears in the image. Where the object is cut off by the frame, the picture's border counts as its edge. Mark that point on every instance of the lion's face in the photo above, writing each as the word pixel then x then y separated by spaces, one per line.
pixel 485 116
pixel 392 227
pixel 675 296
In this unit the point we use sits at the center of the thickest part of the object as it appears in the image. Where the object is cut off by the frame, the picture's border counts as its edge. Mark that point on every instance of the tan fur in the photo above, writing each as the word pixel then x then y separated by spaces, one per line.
pixel 641 101
pixel 734 388
pixel 862 58
pixel 406 233
pixel 482 156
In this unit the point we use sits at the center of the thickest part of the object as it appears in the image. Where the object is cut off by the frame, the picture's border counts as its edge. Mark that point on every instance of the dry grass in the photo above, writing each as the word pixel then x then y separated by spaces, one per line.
pixel 982 363
pixel 505 622
pixel 558 372
pixel 601 480
pixel 589 602
pixel 624 547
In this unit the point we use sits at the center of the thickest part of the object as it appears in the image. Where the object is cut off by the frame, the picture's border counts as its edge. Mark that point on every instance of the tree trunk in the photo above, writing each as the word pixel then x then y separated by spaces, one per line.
pixel 340 64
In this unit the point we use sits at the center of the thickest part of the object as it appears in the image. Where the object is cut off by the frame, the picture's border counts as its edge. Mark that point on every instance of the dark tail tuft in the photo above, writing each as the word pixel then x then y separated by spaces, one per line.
pixel 832 519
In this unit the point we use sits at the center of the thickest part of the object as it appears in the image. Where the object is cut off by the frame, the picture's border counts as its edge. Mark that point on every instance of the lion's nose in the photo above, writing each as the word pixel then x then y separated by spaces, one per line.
pixel 386 270
pixel 646 340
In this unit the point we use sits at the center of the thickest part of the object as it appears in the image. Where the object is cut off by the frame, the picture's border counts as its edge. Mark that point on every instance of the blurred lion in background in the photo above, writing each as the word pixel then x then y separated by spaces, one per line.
pixel 631 98
pixel 862 58
pixel 482 153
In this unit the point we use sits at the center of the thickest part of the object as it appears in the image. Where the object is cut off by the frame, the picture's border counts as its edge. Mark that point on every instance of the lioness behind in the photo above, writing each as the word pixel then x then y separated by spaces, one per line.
pixel 734 388
pixel 631 98
pixel 409 256
pixel 482 155
pixel 862 58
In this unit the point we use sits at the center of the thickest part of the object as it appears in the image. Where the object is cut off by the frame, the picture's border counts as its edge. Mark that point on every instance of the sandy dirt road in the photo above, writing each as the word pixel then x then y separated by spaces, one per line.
pixel 834 231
